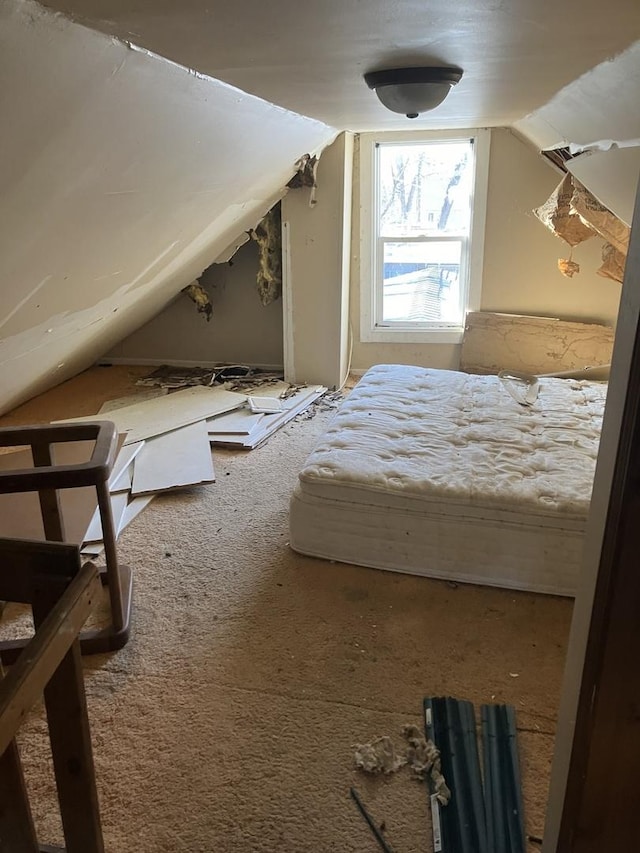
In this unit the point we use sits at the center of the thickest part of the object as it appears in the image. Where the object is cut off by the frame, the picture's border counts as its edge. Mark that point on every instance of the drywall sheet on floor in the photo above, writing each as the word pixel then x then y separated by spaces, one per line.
pixel 178 458
pixel 535 345
pixel 163 414
pixel 123 482
pixel 269 389
pixel 131 511
pixel 240 422
pixel 292 406
pixel 118 506
pixel 130 399
pixel 20 515
pixel 122 465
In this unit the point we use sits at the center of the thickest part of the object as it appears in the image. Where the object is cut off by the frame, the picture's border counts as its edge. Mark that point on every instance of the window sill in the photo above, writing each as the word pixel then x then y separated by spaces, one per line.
pixel 412 336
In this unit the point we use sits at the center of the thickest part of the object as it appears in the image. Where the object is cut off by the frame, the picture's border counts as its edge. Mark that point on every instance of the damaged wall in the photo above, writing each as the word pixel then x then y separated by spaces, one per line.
pixel 241 328
pixel 124 176
pixel 601 105
pixel 520 272
pixel 317 300
pixel 317 270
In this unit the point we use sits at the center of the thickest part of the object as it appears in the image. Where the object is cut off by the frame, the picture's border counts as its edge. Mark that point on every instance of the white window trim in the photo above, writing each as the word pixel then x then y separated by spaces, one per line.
pixel 369 333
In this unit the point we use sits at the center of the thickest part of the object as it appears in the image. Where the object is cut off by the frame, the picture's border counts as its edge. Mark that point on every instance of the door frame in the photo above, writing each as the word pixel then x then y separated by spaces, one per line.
pixel 593 779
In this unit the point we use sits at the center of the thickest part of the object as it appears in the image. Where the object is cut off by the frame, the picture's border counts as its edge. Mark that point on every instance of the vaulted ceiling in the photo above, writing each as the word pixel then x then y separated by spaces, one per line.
pixel 311 57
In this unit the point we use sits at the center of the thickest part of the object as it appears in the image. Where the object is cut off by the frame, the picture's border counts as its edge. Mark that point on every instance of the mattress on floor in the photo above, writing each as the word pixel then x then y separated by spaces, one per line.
pixel 445 474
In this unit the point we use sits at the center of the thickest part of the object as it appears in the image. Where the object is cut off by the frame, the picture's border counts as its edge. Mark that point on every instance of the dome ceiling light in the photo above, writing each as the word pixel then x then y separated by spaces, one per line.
pixel 411 91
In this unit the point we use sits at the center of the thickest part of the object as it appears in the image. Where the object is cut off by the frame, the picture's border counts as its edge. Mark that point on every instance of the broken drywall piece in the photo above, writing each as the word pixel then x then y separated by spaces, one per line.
pixel 163 414
pixel 181 457
pixel 535 345
pixel 559 217
pixel 265 405
pixel 612 176
pixel 599 217
pixel 273 388
pixel 169 376
pixel 292 406
pixel 306 176
pixel 613 263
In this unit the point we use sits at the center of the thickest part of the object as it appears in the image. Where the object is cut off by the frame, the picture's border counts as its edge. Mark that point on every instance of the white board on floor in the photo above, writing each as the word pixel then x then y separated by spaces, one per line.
pixel 123 482
pixel 178 458
pixel 132 510
pixel 118 506
pixel 123 461
pixel 20 514
pixel 241 422
pixel 163 414
pixel 130 399
pixel 292 406
pixel 269 389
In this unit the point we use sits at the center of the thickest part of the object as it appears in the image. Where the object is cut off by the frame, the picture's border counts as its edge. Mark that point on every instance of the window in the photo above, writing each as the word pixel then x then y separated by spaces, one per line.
pixel 423 199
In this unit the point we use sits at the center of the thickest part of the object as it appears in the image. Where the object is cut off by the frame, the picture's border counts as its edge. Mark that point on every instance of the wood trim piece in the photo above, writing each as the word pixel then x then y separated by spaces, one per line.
pixel 26 680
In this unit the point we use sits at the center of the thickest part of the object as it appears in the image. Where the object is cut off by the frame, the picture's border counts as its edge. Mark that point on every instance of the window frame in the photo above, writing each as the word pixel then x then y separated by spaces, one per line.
pixel 370 281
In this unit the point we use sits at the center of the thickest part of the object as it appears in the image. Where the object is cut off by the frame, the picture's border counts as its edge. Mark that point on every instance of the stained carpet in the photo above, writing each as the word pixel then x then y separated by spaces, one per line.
pixel 229 720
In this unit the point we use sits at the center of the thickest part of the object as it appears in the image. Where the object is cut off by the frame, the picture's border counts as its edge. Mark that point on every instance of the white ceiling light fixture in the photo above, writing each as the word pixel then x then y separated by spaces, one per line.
pixel 411 91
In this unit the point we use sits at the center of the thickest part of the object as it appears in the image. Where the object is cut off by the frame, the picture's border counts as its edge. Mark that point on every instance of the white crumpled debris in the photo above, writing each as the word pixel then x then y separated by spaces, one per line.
pixel 422 755
pixel 379 756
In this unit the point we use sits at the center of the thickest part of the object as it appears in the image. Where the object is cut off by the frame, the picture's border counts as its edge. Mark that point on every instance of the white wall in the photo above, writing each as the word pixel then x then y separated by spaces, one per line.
pixel 241 330
pixel 124 176
pixel 318 270
pixel 520 260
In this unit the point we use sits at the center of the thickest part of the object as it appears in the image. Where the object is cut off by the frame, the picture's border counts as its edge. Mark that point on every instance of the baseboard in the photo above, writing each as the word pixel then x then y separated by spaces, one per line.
pixel 159 362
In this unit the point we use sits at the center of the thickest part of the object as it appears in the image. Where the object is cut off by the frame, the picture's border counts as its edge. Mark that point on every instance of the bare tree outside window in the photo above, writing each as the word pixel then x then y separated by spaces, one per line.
pixel 424 220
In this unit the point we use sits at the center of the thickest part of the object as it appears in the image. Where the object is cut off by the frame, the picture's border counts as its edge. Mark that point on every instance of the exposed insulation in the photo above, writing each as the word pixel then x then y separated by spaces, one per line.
pixel 268 236
pixel 572 213
pixel 306 176
pixel 200 297
pixel 613 263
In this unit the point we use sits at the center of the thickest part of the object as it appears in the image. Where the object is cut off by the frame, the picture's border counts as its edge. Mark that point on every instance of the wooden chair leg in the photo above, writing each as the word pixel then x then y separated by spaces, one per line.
pixel 66 707
pixel 17 832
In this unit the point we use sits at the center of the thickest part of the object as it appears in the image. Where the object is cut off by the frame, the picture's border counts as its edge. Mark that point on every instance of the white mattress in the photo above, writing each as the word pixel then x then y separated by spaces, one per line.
pixel 444 474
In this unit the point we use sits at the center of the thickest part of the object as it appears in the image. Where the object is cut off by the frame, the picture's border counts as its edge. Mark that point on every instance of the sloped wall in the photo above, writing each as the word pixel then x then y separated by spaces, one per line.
pixel 600 106
pixel 124 176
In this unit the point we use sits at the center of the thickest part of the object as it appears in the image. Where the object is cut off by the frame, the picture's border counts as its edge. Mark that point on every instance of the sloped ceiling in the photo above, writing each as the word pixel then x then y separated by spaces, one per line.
pixel 124 176
pixel 140 137
pixel 310 57
pixel 597 112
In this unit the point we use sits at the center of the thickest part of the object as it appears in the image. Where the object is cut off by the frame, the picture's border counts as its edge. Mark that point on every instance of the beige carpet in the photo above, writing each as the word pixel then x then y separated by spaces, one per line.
pixel 228 721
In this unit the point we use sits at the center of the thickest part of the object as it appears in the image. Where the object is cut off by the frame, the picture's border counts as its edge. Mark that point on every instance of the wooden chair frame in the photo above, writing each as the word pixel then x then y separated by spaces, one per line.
pixel 62 594
pixel 47 478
